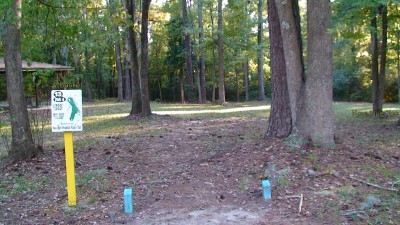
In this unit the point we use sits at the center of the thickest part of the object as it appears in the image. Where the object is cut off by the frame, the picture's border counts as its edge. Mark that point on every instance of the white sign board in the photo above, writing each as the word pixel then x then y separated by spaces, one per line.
pixel 66 110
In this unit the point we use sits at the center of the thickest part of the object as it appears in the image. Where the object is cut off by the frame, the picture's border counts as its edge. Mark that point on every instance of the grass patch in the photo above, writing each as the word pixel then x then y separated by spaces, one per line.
pixel 11 187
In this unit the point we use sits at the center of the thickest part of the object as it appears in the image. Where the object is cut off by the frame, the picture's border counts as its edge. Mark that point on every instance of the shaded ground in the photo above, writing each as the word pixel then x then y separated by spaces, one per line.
pixel 208 171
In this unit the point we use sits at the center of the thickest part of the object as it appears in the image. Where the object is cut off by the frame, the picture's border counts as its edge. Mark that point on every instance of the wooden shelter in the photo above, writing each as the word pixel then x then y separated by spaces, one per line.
pixel 31 67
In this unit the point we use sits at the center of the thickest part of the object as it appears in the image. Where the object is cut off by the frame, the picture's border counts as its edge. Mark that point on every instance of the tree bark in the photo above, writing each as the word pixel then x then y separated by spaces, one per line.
pixel 379 51
pixel 202 65
pixel 383 51
pixel 398 65
pixel 128 79
pixel 280 123
pixel 376 103
pixel 221 88
pixel 144 75
pixel 260 59
pixel 289 20
pixel 317 119
pixel 133 58
pixel 22 146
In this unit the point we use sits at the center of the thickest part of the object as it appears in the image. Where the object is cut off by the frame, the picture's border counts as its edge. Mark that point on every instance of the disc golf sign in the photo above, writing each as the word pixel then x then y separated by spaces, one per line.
pixel 66 110
pixel 66 116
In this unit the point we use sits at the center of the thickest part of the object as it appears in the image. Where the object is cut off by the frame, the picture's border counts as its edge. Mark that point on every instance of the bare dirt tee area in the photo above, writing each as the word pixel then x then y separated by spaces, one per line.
pixel 208 170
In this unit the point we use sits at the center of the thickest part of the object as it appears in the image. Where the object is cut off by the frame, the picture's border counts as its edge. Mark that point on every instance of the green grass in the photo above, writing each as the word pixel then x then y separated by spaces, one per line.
pixel 11 187
pixel 104 117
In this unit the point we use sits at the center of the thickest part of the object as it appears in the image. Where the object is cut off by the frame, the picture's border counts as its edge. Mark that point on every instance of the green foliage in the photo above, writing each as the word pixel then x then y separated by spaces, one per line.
pixel 82 34
pixel 21 185
pixel 278 178
pixel 294 141
pixel 5 134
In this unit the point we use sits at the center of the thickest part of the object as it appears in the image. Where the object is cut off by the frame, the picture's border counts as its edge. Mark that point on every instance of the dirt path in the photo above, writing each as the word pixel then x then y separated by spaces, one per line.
pixel 183 171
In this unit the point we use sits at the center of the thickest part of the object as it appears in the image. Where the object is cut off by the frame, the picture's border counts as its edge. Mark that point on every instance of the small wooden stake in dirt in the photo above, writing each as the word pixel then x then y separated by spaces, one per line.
pixel 70 166
pixel 301 200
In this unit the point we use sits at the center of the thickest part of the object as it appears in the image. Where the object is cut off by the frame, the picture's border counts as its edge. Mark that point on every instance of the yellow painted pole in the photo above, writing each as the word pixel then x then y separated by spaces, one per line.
pixel 70 166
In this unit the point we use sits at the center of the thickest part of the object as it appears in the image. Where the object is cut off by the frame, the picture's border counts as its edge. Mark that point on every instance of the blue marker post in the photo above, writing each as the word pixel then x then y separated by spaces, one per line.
pixel 128 200
pixel 266 189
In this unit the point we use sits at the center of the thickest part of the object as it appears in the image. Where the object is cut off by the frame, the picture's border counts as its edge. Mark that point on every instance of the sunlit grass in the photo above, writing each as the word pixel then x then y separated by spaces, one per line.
pixel 102 118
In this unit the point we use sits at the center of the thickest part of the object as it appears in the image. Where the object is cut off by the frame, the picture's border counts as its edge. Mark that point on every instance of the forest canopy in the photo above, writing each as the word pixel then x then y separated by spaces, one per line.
pixel 87 34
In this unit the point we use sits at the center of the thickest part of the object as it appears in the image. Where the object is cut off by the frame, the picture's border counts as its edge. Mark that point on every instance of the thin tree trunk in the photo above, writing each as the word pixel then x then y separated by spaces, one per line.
pixel 128 80
pixel 22 146
pixel 246 79
pixel 119 68
pixel 383 52
pixel 202 65
pixel 376 104
pixel 237 85
pixel 188 49
pixel 221 88
pixel 160 90
pixel 214 68
pixel 144 75
pixel 280 124
pixel 260 60
pixel 182 81
pixel 118 61
pixel 88 85
pixel 133 58
pixel 159 76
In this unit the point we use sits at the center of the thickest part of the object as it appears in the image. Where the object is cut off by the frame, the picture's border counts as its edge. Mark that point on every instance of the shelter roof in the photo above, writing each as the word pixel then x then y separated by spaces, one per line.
pixel 34 66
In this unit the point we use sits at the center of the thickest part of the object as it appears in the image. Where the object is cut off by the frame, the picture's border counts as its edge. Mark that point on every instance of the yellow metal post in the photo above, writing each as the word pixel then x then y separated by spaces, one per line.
pixel 70 166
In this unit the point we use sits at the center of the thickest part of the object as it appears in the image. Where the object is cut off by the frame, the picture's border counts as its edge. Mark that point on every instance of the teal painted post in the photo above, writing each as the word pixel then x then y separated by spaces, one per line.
pixel 266 189
pixel 128 200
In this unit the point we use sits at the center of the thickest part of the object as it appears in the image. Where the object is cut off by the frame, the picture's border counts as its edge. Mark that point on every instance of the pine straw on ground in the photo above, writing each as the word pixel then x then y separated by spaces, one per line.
pixel 186 170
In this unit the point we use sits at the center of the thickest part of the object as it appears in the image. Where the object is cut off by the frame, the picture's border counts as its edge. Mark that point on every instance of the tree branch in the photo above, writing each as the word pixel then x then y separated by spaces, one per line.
pixel 373 185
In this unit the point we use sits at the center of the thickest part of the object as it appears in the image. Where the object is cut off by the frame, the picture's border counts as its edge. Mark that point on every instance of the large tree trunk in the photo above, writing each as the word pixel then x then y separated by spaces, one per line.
pixel 260 56
pixel 310 102
pixel 317 119
pixel 22 146
pixel 133 58
pixel 202 64
pixel 280 123
pixel 144 75
pixel 221 88
pixel 378 64
pixel 292 46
